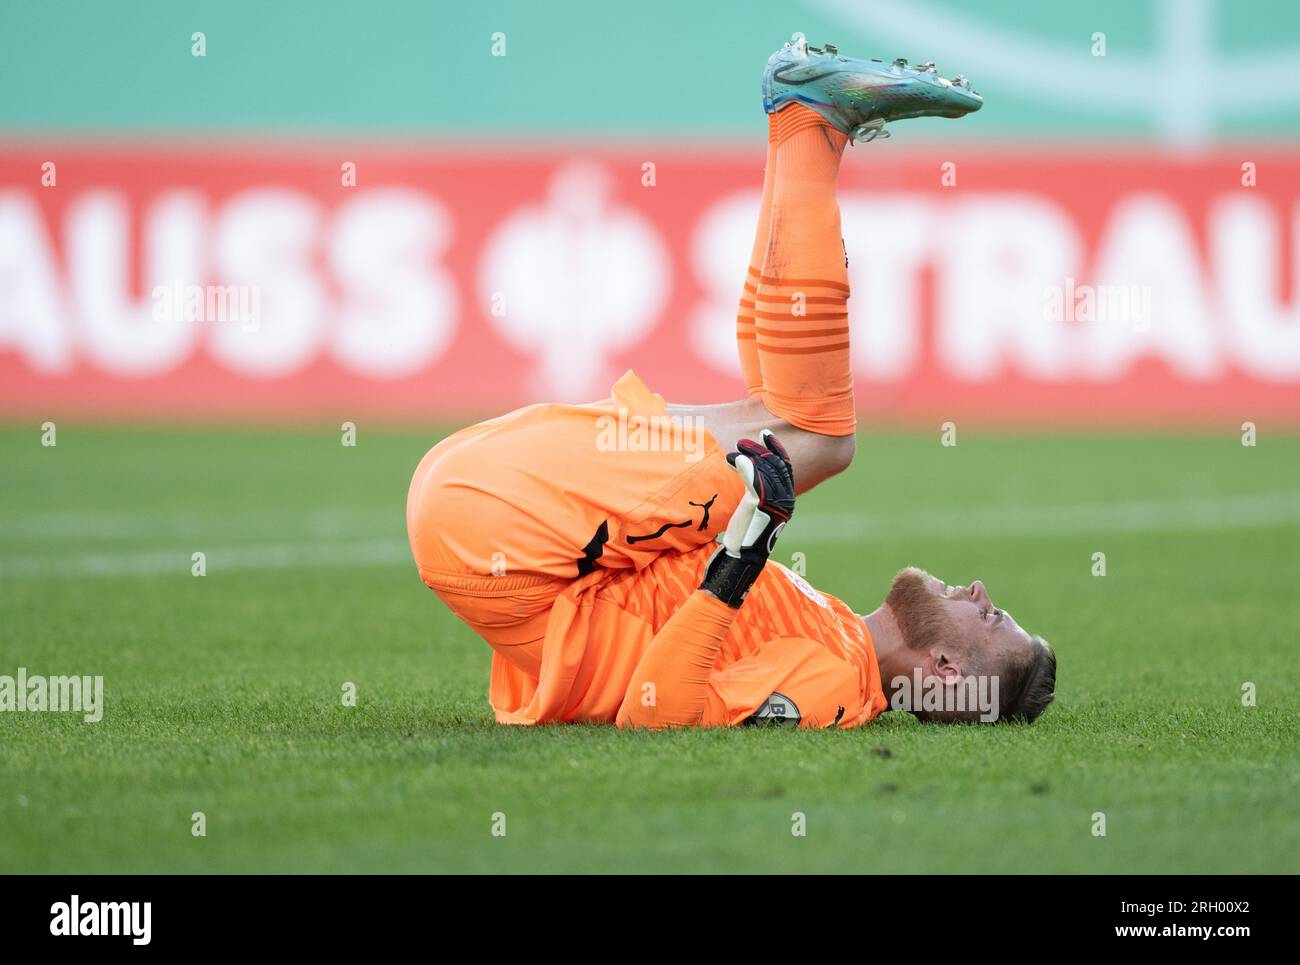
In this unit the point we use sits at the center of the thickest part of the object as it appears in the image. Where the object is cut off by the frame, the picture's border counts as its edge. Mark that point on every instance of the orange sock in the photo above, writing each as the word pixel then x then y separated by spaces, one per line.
pixel 746 343
pixel 801 310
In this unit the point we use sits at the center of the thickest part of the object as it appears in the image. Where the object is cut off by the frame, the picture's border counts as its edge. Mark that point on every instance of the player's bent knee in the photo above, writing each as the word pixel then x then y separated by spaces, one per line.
pixel 839 452
pixel 818 457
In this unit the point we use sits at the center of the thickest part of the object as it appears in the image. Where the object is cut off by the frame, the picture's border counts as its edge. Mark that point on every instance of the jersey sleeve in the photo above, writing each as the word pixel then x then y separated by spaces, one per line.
pixel 793 681
pixel 677 667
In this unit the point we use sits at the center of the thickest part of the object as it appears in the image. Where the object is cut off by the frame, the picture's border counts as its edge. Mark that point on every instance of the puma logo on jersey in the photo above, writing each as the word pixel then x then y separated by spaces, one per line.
pixel 704 522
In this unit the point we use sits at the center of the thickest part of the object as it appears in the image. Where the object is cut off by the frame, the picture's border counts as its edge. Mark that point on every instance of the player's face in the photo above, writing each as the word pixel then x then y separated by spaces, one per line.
pixel 976 617
pixel 954 630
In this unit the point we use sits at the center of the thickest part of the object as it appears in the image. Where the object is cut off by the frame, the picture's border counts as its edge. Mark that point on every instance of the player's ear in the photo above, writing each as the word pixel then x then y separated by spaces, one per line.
pixel 947 664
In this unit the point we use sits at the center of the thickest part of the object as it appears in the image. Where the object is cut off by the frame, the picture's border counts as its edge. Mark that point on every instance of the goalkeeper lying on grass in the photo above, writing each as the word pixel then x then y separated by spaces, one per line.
pixel 578 541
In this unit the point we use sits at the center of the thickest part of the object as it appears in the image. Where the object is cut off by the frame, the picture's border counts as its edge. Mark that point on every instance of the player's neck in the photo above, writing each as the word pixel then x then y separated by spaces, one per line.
pixel 887 640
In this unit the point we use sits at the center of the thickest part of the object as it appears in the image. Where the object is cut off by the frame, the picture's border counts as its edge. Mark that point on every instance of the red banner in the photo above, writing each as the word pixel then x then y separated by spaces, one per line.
pixel 433 283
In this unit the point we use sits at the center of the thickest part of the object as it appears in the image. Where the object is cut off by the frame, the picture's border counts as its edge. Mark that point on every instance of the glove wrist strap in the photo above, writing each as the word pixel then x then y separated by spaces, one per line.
pixel 729 578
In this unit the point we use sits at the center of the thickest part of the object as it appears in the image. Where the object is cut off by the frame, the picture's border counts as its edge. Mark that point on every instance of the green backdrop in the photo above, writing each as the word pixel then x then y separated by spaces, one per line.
pixel 1182 71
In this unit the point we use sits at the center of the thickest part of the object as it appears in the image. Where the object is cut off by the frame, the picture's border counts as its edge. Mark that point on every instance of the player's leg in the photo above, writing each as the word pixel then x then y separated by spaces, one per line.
pixel 815 99
pixel 819 99
pixel 802 304
pixel 746 337
pixel 818 457
pixel 792 329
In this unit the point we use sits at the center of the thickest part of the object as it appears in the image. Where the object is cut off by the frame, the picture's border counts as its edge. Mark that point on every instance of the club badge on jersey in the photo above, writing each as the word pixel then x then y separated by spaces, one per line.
pixel 777 711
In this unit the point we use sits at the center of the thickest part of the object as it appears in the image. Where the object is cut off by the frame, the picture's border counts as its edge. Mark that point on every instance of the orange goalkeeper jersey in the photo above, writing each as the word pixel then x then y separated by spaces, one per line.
pixel 794 655
pixel 570 615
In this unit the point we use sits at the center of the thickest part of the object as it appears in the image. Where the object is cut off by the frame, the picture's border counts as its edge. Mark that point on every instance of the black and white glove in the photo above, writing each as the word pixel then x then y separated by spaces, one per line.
pixel 753 529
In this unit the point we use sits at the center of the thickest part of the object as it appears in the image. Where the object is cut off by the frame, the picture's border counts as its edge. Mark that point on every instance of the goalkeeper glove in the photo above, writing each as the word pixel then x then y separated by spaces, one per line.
pixel 753 529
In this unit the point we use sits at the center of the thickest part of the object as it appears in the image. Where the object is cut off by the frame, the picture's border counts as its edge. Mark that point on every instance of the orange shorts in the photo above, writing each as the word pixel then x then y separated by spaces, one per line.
pixel 503 515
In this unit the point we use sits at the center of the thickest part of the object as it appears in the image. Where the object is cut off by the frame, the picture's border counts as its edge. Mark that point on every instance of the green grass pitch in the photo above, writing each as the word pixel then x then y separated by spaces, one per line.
pixel 223 692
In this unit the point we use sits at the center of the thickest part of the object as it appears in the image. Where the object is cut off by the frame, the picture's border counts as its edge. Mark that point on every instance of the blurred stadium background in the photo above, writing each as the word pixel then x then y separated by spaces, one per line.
pixel 436 210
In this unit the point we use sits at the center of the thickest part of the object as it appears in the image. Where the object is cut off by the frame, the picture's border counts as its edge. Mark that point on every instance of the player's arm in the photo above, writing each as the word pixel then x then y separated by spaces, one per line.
pixel 670 685
pixel 819 456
